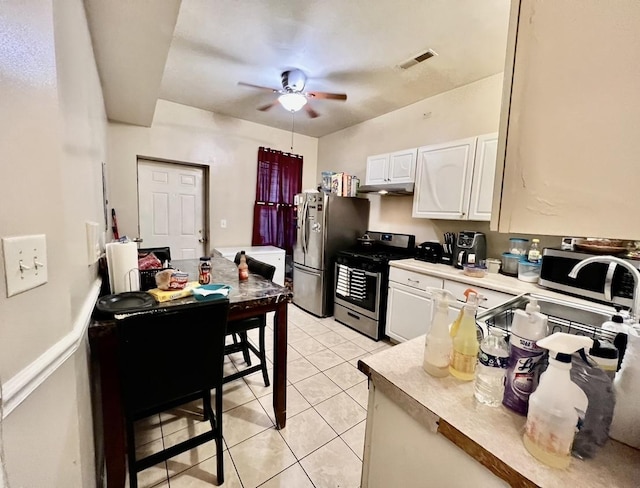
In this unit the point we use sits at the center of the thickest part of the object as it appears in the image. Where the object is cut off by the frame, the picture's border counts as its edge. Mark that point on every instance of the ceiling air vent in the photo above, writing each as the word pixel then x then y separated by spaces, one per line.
pixel 418 59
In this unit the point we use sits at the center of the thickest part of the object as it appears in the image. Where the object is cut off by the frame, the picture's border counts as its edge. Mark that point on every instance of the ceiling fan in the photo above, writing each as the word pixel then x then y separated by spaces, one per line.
pixel 292 97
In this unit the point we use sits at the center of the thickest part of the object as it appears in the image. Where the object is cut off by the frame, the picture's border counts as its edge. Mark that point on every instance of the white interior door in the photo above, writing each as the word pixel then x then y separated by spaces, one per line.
pixel 171 208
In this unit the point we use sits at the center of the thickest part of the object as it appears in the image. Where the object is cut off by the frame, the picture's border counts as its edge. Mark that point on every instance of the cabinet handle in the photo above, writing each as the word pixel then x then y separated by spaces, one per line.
pixel 413 281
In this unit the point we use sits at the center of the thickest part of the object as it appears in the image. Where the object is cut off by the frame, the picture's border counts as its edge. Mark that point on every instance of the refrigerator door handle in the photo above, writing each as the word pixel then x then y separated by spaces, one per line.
pixel 305 222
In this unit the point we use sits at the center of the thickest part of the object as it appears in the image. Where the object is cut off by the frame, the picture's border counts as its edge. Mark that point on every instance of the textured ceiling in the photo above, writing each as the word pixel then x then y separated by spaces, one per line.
pixel 344 46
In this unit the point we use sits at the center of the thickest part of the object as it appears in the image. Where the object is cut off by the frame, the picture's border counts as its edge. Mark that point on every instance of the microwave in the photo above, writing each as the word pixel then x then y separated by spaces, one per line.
pixel 602 282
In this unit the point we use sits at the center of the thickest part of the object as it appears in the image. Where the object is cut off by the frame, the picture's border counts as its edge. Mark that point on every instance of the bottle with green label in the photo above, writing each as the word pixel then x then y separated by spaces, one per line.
pixel 534 255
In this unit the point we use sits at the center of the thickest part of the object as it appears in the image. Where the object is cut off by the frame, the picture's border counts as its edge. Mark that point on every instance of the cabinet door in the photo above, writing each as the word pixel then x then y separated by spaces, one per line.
pixel 570 130
pixel 408 312
pixel 443 180
pixel 377 169
pixel 402 166
pixel 484 169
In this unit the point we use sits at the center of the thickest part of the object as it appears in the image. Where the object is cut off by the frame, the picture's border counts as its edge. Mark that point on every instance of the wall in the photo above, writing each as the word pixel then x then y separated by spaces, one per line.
pixel 467 111
pixel 52 143
pixel 228 146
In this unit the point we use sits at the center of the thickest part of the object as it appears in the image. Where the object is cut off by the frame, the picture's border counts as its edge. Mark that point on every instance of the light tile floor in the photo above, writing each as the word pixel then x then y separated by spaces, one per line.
pixel 322 443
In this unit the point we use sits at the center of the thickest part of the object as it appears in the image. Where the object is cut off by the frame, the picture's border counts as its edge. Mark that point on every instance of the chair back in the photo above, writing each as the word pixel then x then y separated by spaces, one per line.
pixel 169 354
pixel 259 267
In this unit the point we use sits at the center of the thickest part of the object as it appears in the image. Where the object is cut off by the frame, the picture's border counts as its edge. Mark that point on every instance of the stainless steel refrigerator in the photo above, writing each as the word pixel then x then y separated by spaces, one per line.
pixel 325 225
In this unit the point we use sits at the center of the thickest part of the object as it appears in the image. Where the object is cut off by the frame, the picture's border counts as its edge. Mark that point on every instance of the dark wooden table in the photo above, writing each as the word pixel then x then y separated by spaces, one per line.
pixel 249 298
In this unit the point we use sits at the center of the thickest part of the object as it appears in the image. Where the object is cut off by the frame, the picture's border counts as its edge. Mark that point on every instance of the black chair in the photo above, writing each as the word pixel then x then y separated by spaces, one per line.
pixel 169 357
pixel 239 328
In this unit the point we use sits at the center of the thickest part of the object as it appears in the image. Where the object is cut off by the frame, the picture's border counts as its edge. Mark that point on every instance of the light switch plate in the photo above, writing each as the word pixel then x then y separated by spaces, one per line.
pixel 93 242
pixel 25 262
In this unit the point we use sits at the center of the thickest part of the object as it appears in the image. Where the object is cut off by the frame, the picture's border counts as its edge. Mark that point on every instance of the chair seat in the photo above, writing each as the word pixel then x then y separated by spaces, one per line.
pixel 245 324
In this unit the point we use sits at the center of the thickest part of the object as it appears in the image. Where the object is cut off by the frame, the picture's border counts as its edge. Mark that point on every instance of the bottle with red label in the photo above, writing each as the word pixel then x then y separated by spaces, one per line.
pixel 204 271
pixel 527 328
pixel 243 268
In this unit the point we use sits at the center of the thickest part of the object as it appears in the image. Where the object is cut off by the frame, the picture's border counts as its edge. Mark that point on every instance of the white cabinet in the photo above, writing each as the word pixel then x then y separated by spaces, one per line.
pixel 409 304
pixel 443 180
pixel 569 129
pixel 484 170
pixel 391 168
pixel 454 180
pixel 267 254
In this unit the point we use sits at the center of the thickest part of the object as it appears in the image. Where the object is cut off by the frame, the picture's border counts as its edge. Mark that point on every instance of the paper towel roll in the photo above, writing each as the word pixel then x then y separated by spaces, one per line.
pixel 122 260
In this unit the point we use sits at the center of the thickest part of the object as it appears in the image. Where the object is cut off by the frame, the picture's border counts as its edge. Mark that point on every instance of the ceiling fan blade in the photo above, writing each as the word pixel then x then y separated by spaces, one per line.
pixel 310 112
pixel 266 107
pixel 272 90
pixel 326 96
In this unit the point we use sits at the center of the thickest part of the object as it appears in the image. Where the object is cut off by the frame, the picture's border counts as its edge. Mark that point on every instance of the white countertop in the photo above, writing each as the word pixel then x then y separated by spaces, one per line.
pixel 492 281
pixel 497 430
pixel 249 250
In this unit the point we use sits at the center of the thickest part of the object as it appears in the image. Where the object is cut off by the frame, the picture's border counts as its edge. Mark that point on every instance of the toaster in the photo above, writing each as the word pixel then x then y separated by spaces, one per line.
pixel 429 251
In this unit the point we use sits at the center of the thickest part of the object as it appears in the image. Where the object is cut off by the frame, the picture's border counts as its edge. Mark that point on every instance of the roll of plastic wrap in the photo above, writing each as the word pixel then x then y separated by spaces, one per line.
pixel 122 261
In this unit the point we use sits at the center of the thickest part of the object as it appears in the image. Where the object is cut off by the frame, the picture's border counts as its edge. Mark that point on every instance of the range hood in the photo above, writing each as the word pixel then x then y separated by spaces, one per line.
pixel 392 189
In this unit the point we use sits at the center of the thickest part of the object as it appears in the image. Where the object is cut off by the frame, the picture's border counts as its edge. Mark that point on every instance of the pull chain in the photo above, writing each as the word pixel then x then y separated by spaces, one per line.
pixel 293 115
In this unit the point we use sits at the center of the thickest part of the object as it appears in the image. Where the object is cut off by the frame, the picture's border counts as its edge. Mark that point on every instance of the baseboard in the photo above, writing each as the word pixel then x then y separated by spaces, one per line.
pixel 19 387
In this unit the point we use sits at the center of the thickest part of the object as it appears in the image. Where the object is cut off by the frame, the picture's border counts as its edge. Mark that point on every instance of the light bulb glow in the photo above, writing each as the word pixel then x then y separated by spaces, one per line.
pixel 292 101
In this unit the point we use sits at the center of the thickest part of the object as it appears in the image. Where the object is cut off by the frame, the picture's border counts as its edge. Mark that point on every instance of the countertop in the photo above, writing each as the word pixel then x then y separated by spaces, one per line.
pixel 232 250
pixel 492 281
pixel 492 435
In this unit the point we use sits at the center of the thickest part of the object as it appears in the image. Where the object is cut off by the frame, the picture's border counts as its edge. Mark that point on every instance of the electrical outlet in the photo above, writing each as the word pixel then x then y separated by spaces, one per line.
pixel 93 242
pixel 223 223
pixel 25 262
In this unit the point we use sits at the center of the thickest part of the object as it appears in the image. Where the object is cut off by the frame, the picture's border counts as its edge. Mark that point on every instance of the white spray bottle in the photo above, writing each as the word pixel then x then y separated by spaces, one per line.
pixel 557 403
pixel 437 344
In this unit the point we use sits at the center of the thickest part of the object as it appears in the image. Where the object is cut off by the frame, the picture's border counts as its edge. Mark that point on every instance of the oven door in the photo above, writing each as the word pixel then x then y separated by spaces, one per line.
pixel 358 290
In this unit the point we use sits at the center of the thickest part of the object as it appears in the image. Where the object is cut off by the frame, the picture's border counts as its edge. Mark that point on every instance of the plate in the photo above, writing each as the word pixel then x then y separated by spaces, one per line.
pixel 131 301
pixel 601 246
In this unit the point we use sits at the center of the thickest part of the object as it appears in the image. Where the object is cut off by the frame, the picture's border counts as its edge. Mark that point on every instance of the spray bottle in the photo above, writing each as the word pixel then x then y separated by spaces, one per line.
pixel 464 354
pixel 528 327
pixel 557 403
pixel 437 345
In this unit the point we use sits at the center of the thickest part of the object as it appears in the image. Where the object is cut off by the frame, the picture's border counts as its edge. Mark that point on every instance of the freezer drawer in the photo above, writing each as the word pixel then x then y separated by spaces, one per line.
pixel 309 290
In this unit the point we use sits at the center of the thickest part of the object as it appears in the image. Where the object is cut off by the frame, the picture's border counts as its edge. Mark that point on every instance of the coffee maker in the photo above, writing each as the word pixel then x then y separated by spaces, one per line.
pixel 470 248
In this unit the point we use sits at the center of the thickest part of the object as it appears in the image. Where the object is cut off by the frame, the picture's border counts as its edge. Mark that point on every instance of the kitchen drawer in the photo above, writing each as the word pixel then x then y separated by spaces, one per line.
pixel 493 298
pixel 414 280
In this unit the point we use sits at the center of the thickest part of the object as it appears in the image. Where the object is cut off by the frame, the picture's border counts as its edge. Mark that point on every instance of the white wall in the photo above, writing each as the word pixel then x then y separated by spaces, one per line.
pixel 467 111
pixel 228 146
pixel 52 142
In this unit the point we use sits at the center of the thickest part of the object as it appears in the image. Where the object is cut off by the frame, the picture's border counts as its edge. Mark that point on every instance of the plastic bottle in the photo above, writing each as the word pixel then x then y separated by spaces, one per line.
pixel 491 369
pixel 534 255
pixel 553 408
pixel 243 268
pixel 605 356
pixel 204 271
pixel 437 344
pixel 464 354
pixel 528 327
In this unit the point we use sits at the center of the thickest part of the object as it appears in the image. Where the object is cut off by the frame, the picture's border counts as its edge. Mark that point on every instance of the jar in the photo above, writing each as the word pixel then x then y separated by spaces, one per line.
pixel 493 265
pixel 518 245
pixel 204 271
pixel 528 271
pixel 510 263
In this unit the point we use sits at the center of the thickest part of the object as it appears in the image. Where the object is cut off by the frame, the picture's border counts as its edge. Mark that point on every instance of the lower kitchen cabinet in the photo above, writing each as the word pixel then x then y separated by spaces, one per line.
pixel 400 451
pixel 409 305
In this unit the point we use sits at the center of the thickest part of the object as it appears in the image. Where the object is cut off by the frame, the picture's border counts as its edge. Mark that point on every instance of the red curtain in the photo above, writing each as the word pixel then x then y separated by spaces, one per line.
pixel 279 179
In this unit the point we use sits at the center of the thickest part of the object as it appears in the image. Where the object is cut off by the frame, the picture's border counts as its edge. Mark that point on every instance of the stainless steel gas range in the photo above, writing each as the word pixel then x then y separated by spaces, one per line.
pixel 361 281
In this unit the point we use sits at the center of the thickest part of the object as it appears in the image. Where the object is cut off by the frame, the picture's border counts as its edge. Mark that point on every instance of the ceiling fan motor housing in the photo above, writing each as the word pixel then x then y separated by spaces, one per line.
pixel 293 80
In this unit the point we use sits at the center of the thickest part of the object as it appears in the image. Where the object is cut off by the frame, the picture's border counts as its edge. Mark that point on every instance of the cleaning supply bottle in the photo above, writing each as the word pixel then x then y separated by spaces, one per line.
pixel 437 344
pixel 464 353
pixel 528 327
pixel 554 406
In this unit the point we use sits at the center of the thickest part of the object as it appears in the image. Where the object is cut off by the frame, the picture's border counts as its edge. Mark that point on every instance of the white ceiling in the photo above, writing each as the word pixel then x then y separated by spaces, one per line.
pixel 194 52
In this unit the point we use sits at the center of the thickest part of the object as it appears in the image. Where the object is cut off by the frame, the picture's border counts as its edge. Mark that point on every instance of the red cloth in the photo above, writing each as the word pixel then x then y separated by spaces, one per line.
pixel 279 180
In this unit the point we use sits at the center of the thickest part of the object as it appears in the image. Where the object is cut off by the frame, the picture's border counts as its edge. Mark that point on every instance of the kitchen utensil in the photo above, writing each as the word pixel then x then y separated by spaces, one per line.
pixel 470 248
pixel 602 246
pixel 131 301
pixel 528 271
pixel 366 241
pixel 429 251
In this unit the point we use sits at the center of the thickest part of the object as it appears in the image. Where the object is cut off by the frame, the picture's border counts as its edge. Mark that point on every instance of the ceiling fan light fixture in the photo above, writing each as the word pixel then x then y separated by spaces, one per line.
pixel 292 101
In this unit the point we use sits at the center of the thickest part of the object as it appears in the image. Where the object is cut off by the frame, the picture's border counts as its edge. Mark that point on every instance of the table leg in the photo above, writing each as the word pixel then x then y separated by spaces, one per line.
pixel 280 365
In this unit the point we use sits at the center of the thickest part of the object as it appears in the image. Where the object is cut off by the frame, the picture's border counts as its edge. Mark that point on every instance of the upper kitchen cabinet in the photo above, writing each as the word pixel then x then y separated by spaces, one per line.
pixel 484 169
pixel 443 180
pixel 390 168
pixel 567 152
